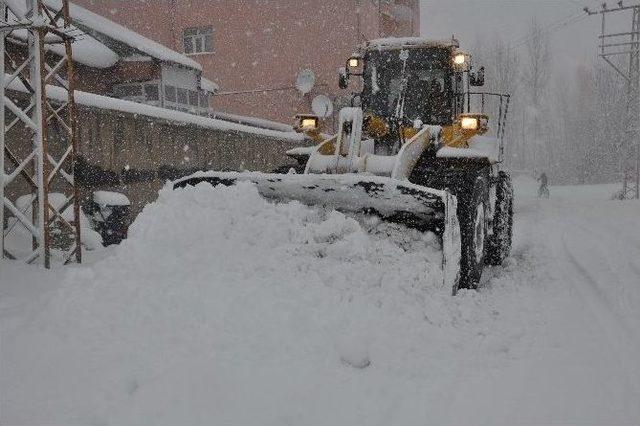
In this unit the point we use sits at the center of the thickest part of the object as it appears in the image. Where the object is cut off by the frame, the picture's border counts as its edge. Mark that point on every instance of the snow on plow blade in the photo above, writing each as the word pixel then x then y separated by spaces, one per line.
pixel 390 199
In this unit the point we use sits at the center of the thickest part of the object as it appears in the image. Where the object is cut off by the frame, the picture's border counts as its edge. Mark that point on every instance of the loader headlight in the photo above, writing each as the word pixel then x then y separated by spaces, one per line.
pixel 459 59
pixel 354 62
pixel 470 123
pixel 307 122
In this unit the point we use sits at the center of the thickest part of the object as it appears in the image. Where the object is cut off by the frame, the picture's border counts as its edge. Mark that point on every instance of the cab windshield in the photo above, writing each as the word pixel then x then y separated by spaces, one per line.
pixel 427 84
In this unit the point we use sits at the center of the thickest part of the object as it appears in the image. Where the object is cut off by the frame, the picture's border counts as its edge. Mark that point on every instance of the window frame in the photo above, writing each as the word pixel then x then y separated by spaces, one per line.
pixel 141 88
pixel 198 40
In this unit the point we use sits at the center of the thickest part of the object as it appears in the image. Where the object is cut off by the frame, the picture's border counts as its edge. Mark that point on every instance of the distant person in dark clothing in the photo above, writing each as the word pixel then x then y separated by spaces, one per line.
pixel 543 191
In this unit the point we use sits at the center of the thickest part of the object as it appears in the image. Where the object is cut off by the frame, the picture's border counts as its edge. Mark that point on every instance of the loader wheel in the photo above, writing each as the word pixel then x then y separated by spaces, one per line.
pixel 473 232
pixel 499 244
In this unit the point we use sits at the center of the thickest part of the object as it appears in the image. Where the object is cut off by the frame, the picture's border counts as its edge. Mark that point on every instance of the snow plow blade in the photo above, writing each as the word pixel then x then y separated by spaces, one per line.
pixel 390 199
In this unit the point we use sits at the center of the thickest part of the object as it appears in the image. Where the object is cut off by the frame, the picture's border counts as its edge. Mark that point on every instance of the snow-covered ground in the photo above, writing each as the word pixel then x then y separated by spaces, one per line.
pixel 221 309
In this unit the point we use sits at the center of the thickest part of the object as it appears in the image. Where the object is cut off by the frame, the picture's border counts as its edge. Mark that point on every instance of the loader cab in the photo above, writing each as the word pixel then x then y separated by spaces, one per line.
pixel 417 84
pixel 410 79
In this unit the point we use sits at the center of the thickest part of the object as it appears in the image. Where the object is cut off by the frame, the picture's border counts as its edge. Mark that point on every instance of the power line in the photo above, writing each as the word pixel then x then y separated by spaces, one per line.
pixel 550 29
pixel 626 44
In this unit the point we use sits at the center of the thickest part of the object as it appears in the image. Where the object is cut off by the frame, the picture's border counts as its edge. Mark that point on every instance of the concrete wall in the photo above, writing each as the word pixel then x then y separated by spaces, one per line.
pixel 135 155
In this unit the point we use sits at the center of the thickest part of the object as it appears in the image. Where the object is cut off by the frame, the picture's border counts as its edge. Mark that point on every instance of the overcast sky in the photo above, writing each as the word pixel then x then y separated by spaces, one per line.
pixel 573 43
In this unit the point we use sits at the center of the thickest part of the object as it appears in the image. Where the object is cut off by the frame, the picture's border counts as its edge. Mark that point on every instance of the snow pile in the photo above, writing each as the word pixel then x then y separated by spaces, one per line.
pixel 222 309
pixel 109 198
pixel 19 237
pixel 220 301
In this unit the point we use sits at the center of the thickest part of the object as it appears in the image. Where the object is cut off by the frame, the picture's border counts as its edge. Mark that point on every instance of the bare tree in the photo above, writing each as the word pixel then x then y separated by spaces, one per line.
pixel 502 74
pixel 586 116
pixel 536 82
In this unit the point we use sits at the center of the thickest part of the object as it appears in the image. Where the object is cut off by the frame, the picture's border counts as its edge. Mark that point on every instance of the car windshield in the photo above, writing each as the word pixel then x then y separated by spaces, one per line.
pixel 426 82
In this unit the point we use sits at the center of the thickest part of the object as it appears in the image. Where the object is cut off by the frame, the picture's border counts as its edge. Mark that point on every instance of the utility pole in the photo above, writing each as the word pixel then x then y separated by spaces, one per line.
pixel 37 181
pixel 625 45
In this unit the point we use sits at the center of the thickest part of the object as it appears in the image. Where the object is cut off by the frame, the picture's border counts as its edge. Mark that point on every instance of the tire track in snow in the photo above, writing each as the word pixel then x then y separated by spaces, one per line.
pixel 597 294
pixel 622 262
pixel 608 326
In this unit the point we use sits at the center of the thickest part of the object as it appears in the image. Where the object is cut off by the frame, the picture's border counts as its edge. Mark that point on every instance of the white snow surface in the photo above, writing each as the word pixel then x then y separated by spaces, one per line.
pixel 479 147
pixel 86 49
pixel 109 198
pixel 224 309
pixel 208 85
pixel 117 32
pixel 94 53
pixel 396 42
pixel 19 239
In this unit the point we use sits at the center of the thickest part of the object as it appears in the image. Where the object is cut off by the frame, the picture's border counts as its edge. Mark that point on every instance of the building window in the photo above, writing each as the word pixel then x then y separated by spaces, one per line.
pixel 198 40
pixel 204 100
pixel 178 98
pixel 146 93
pixel 193 98
pixel 126 91
pixel 183 97
pixel 170 94
pixel 192 101
pixel 152 92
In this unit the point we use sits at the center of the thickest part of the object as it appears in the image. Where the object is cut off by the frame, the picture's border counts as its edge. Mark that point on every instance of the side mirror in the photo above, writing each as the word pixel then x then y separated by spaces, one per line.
pixel 477 77
pixel 343 78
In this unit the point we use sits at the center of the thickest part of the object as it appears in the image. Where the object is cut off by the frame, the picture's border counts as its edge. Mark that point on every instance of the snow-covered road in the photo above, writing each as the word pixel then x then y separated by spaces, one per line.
pixel 582 364
pixel 287 325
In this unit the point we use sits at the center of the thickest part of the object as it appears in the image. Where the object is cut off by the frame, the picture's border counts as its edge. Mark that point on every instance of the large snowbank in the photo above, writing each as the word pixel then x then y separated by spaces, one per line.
pixel 253 301
pixel 18 240
pixel 222 309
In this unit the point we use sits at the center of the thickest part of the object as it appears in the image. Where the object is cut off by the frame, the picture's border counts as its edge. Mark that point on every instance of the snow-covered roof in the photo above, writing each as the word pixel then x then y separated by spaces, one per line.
pixel 93 48
pixel 105 102
pixel 208 85
pixel 92 22
pixel 86 49
pixel 253 121
pixel 408 42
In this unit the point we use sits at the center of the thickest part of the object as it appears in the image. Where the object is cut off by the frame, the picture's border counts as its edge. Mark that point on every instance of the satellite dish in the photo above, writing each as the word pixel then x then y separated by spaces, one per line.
pixel 322 106
pixel 305 81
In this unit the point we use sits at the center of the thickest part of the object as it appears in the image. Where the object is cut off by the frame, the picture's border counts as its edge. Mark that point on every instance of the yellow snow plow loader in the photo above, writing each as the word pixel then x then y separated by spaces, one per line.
pixel 415 148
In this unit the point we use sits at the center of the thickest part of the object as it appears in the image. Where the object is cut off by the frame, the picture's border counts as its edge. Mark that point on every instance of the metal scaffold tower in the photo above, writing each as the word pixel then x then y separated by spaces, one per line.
pixel 615 45
pixel 39 200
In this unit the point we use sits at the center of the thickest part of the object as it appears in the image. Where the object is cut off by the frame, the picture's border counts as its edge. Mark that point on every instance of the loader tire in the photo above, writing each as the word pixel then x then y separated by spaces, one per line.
pixel 499 243
pixel 472 210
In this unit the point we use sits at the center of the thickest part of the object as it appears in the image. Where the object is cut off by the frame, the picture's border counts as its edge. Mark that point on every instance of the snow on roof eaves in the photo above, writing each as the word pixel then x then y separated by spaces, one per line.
pixel 253 121
pixel 105 102
pixel 18 7
pixel 95 22
pixel 86 49
pixel 208 85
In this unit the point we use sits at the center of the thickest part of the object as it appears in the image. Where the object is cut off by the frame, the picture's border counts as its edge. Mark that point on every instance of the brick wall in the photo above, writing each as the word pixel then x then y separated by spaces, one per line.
pixel 264 44
pixel 143 152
